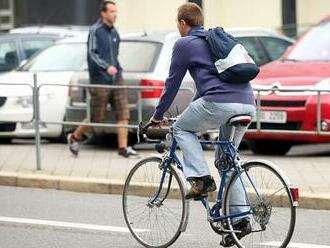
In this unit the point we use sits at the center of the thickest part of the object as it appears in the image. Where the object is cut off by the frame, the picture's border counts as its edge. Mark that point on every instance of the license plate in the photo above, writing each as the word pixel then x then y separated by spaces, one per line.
pixel 272 116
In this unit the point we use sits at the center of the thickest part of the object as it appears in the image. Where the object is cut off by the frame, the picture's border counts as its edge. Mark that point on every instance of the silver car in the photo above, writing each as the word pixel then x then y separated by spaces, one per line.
pixel 146 60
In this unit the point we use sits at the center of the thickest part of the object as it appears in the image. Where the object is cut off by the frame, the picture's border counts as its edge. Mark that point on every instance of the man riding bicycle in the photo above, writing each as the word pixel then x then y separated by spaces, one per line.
pixel 216 101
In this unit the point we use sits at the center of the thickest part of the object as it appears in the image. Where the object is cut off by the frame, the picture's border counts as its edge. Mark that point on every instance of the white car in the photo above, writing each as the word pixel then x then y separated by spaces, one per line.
pixel 54 65
pixel 62 31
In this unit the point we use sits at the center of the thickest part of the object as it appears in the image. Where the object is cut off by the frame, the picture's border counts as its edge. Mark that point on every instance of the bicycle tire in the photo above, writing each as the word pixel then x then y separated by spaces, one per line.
pixel 264 214
pixel 144 195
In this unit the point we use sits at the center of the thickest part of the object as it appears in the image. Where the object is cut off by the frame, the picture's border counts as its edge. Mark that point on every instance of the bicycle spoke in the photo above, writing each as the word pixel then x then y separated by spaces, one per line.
pixel 267 211
pixel 163 216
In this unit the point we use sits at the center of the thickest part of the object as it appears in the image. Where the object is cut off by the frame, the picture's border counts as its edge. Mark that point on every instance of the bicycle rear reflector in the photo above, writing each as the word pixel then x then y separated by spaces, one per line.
pixel 295 195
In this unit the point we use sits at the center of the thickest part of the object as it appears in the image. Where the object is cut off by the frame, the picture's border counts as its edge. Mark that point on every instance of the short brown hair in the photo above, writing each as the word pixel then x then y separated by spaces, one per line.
pixel 104 5
pixel 191 13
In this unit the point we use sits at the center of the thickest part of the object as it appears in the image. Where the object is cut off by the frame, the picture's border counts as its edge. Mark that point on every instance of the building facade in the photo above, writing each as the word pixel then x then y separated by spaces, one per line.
pixel 140 15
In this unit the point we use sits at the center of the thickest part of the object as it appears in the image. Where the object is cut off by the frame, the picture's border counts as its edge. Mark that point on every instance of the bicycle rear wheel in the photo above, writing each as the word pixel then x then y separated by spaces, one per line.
pixel 154 223
pixel 273 214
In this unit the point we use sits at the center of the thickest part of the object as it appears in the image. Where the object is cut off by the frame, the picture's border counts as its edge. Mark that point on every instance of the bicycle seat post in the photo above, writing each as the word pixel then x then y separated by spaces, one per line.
pixel 232 133
pixel 236 121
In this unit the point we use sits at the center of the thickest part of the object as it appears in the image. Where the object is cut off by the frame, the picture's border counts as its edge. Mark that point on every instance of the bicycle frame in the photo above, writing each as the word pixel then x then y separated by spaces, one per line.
pixel 213 214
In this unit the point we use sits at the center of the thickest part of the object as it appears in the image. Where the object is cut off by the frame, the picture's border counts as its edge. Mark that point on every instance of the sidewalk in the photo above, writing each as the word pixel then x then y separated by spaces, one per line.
pixel 100 170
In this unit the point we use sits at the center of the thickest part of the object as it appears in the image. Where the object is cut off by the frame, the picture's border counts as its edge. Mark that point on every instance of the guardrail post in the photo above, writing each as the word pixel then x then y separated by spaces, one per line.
pixel 318 112
pixel 258 111
pixel 139 103
pixel 36 120
pixel 88 107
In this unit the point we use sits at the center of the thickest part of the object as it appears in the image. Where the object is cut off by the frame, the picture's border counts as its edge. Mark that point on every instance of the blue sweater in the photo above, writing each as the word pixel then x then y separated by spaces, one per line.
pixel 192 53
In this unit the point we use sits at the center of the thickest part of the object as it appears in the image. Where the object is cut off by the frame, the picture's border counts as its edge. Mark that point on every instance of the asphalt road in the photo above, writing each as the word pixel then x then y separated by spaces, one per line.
pixel 32 218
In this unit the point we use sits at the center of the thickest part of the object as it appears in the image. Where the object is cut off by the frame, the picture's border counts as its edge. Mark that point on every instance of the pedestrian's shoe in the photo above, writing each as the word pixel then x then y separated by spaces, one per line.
pixel 244 226
pixel 127 152
pixel 200 186
pixel 73 144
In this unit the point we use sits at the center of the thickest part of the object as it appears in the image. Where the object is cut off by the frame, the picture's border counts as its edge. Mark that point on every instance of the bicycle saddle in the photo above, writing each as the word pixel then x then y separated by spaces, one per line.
pixel 240 120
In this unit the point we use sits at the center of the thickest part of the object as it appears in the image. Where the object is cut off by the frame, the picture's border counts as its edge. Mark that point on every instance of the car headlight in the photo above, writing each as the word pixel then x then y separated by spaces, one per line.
pixel 323 84
pixel 27 101
pixel 24 101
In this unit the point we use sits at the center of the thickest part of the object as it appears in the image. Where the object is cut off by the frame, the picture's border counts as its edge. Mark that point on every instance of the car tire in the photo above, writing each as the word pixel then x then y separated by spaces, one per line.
pixel 63 136
pixel 5 140
pixel 269 147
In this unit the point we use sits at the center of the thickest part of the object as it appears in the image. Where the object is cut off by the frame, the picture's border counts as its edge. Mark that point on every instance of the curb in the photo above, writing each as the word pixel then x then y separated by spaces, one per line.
pixel 109 186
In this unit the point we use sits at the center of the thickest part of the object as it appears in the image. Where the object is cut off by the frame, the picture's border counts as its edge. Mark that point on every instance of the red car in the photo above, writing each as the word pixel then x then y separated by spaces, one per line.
pixel 305 65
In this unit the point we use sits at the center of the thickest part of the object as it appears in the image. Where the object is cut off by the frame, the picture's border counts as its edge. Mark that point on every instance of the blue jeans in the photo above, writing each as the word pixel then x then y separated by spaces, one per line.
pixel 200 116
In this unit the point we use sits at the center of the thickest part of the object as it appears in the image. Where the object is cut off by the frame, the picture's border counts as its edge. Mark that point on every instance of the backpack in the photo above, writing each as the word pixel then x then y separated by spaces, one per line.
pixel 231 60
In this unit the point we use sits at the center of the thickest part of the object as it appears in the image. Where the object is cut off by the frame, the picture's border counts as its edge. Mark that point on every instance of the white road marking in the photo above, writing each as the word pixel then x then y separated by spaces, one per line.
pixel 70 225
pixel 295 245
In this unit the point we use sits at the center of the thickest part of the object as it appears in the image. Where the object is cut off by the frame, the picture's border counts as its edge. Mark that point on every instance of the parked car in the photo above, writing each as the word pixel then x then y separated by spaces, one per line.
pixel 15 48
pixel 146 59
pixel 54 65
pixel 305 65
pixel 63 31
pixel 264 45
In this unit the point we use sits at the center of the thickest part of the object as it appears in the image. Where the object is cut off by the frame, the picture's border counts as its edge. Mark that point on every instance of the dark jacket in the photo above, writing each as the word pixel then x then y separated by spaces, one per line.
pixel 192 54
pixel 103 50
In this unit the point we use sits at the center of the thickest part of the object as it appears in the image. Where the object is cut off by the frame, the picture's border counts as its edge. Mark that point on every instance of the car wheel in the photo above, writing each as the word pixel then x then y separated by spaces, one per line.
pixel 269 147
pixel 62 138
pixel 5 140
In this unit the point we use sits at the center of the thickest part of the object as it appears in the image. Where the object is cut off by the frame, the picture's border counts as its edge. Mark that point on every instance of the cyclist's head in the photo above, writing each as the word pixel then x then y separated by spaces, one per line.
pixel 108 10
pixel 189 15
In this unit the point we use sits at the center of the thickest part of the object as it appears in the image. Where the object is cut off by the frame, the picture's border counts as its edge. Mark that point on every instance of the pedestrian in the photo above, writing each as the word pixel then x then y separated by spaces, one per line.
pixel 215 103
pixel 104 68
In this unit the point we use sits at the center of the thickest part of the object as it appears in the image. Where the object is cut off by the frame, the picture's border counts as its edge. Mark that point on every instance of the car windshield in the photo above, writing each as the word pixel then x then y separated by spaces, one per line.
pixel 138 56
pixel 314 46
pixel 62 57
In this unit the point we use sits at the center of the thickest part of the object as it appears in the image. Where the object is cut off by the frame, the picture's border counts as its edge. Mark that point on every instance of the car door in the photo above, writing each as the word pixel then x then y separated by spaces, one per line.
pixel 275 47
pixel 9 58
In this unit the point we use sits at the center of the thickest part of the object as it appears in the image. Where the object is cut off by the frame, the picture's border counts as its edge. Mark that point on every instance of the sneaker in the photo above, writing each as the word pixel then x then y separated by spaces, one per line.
pixel 200 187
pixel 127 152
pixel 244 226
pixel 73 144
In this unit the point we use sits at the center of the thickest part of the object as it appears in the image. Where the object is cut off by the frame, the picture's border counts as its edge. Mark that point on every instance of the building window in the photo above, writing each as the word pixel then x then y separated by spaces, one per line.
pixel 199 2
pixel 6 15
pixel 4 4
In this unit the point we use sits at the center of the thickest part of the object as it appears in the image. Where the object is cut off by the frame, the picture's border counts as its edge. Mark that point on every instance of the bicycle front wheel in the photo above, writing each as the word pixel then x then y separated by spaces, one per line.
pixel 273 214
pixel 154 218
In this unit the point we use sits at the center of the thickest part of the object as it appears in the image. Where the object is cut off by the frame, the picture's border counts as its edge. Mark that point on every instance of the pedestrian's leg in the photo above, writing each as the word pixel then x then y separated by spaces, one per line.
pixel 119 102
pixel 99 101
pixel 80 131
pixel 122 133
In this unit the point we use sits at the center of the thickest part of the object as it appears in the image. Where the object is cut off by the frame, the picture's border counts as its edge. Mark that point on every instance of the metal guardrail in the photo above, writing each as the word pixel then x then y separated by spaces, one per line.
pixel 37 121
pixel 138 89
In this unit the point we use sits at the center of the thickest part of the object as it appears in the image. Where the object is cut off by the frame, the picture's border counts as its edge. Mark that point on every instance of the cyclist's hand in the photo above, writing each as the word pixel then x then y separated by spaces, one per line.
pixel 158 123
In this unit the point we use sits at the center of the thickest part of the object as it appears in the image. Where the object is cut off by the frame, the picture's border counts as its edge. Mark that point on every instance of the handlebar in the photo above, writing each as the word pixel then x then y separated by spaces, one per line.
pixel 143 128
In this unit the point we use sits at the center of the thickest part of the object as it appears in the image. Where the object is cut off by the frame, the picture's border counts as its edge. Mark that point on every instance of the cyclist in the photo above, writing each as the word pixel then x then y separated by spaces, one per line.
pixel 214 104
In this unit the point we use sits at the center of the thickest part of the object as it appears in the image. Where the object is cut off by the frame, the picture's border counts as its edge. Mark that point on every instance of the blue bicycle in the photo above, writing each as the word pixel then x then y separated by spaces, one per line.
pixel 156 211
